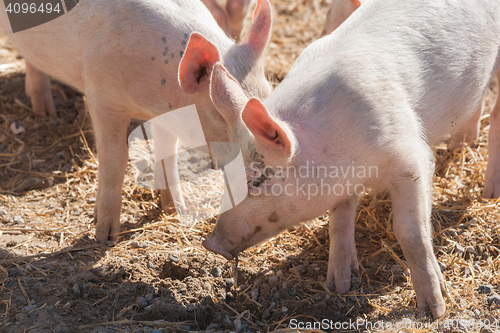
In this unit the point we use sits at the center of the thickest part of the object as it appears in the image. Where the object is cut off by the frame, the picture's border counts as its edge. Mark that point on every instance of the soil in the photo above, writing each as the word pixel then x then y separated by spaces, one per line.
pixel 54 277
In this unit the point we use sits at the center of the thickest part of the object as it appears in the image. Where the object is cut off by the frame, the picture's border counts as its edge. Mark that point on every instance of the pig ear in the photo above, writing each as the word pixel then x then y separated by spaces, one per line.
pixel 259 32
pixel 265 130
pixel 197 62
pixel 226 94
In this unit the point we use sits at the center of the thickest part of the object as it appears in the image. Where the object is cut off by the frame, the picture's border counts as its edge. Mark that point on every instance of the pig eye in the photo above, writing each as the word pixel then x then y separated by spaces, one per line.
pixel 255 183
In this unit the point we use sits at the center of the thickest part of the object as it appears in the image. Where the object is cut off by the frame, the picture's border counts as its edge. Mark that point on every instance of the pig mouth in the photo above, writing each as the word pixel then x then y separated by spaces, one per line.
pixel 212 246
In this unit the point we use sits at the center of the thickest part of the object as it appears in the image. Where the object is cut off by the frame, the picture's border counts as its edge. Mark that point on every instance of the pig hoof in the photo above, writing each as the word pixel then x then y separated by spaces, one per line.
pixel 491 190
pixel 107 232
pixel 106 239
pixel 437 310
pixel 343 286
pixel 168 205
pixel 340 287
pixel 44 107
pixel 172 210
pixel 454 145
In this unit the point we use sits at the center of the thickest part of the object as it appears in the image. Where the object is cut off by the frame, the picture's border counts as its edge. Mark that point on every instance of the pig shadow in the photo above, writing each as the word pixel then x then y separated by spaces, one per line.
pixel 83 285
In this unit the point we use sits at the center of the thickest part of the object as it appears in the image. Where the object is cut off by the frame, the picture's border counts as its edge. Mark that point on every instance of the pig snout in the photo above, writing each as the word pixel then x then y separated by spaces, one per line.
pixel 212 244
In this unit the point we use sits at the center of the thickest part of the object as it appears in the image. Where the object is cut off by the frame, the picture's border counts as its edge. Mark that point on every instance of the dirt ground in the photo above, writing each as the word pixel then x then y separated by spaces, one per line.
pixel 54 277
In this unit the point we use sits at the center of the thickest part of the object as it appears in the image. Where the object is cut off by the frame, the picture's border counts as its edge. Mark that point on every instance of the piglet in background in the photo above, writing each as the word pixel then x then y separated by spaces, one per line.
pixel 138 59
pixel 338 12
pixel 231 20
pixel 368 99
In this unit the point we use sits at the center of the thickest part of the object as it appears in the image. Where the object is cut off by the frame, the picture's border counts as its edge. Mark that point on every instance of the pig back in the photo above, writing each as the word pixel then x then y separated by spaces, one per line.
pixel 118 43
pixel 419 59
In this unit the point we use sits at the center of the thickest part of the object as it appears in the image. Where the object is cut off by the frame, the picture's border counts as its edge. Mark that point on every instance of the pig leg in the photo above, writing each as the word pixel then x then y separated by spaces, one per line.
pixel 172 199
pixel 38 90
pixel 166 152
pixel 111 138
pixel 492 181
pixel 411 195
pixel 236 12
pixel 343 256
pixel 469 132
pixel 218 14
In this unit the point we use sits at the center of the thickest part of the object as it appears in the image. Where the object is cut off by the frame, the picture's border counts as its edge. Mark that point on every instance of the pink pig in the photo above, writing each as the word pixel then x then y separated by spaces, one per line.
pixel 137 59
pixel 360 108
pixel 236 10
pixel 338 12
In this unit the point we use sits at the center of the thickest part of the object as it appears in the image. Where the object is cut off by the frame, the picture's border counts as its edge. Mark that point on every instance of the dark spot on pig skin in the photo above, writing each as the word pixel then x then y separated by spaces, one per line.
pixel 166 61
pixel 165 53
pixel 170 106
pixel 273 217
pixel 184 43
pixel 172 55
pixel 153 58
pixel 163 81
pixel 164 39
pixel 181 53
pixel 257 156
pixel 258 159
pixel 166 48
pixel 202 71
pixel 257 182
pixel 257 229
pixel 269 172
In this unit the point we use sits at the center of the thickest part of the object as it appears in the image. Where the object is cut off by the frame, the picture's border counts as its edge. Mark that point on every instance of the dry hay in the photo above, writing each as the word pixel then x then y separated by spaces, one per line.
pixel 48 180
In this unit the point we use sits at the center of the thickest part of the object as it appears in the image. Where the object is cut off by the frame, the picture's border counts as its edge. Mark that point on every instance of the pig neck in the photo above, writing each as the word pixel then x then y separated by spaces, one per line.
pixel 331 143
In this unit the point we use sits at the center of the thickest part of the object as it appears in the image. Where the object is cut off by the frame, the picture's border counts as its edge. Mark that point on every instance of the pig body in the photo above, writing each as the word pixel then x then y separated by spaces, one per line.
pixel 338 12
pixel 230 20
pixel 139 59
pixel 376 93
